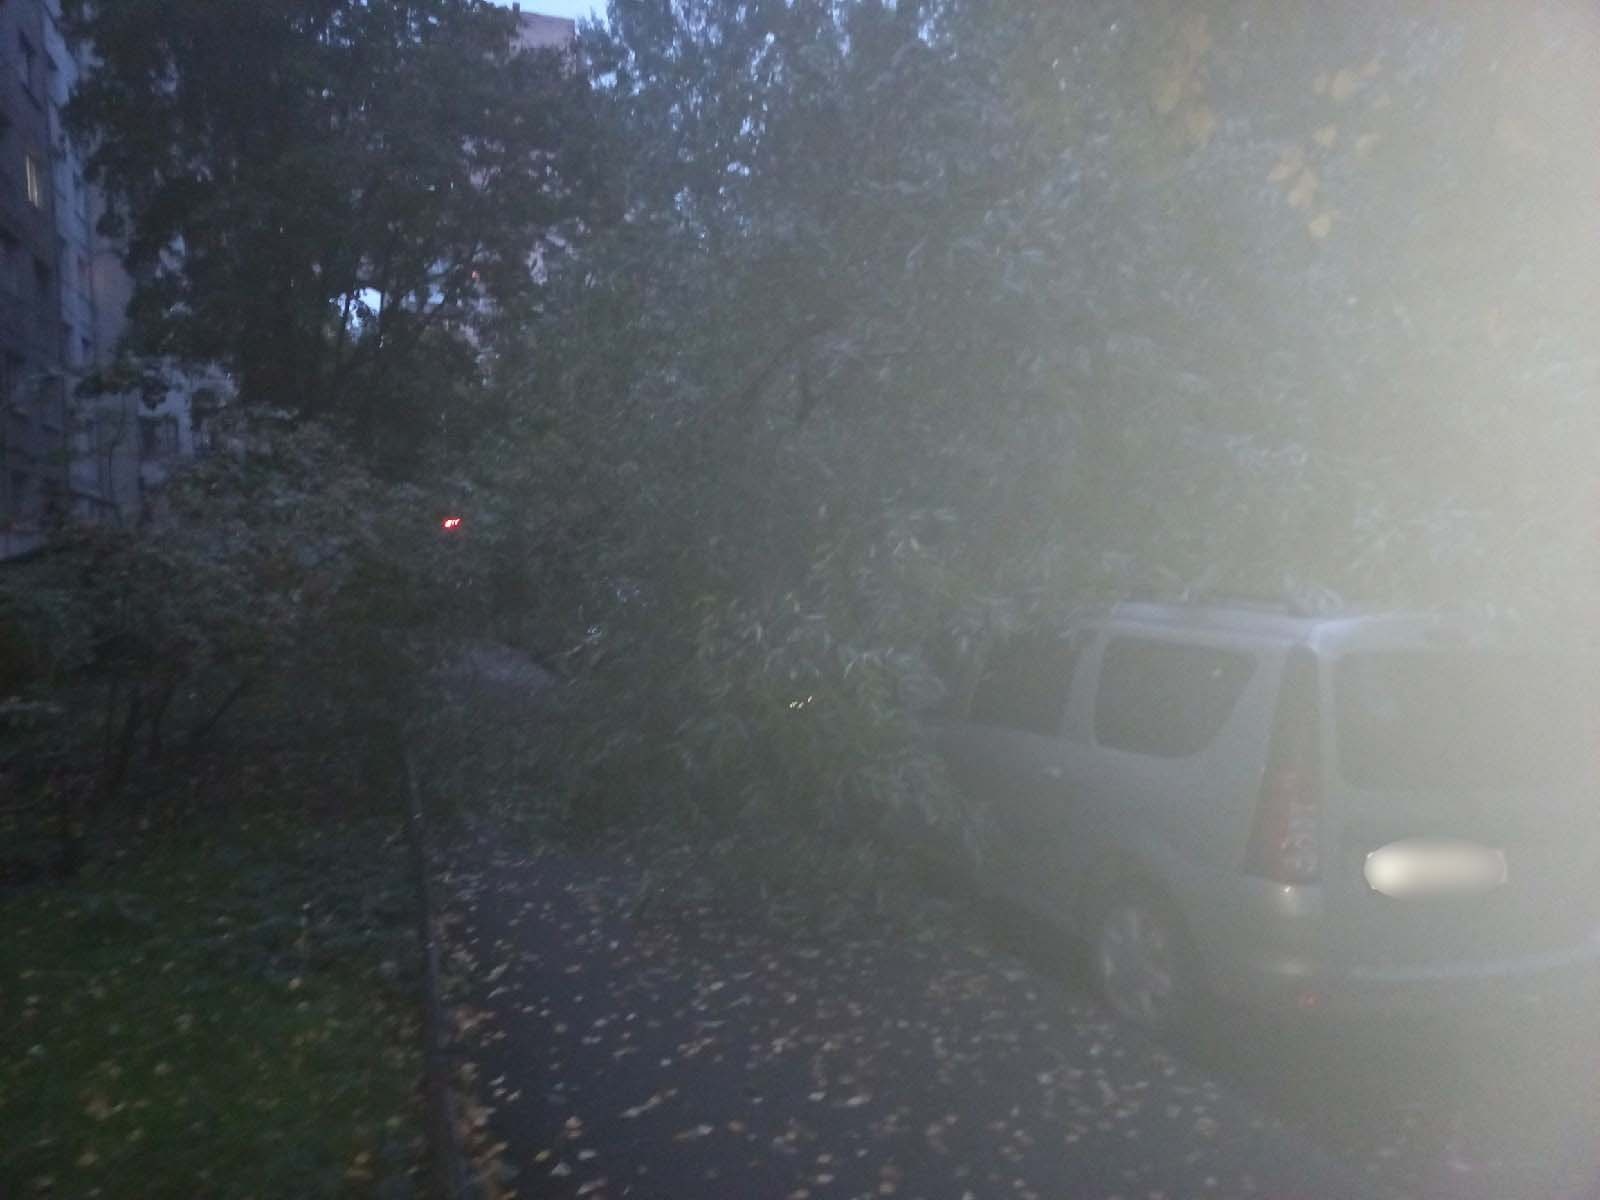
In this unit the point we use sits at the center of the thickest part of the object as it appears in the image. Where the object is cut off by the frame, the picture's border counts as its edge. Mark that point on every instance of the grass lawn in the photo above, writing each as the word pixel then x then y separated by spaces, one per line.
pixel 236 1016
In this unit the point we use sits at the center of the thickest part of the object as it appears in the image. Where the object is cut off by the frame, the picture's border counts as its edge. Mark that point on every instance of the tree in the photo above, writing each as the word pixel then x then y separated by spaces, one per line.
pixel 933 319
pixel 309 599
pixel 331 197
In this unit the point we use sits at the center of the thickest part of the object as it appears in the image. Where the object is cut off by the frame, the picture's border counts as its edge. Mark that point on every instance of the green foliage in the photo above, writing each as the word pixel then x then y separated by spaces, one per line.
pixel 935 320
pixel 283 597
pixel 331 199
pixel 883 329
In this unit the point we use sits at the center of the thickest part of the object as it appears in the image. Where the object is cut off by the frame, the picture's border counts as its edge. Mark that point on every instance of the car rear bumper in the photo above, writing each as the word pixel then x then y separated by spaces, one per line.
pixel 1299 984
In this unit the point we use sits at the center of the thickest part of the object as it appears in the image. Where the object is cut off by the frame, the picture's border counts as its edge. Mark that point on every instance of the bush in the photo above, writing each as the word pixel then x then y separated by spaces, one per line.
pixel 282 596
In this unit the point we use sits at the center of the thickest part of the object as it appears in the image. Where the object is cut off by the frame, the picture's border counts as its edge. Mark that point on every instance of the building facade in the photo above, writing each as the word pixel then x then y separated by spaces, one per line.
pixel 535 31
pixel 66 453
pixel 102 469
pixel 36 433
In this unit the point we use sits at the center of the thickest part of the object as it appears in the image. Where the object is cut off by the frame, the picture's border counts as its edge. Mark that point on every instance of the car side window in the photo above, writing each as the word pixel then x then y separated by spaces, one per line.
pixel 1025 683
pixel 1165 699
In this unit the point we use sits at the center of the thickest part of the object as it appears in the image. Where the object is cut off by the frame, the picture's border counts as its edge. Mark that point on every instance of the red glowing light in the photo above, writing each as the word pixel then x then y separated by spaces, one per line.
pixel 451 523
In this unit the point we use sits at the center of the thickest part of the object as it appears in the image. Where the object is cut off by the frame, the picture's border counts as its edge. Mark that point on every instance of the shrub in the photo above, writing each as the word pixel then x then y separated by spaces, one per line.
pixel 280 590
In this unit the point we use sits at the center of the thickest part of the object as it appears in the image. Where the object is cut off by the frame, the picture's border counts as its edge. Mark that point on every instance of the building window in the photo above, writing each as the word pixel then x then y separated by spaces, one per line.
pixel 149 437
pixel 27 62
pixel 35 180
pixel 107 437
pixel 158 436
pixel 9 259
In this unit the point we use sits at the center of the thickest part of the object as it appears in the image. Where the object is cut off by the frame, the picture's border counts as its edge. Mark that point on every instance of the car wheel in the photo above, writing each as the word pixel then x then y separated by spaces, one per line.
pixel 1141 962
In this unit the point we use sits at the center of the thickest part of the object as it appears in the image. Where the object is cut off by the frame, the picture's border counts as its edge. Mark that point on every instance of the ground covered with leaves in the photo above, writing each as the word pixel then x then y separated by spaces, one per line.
pixel 626 1033
pixel 233 1016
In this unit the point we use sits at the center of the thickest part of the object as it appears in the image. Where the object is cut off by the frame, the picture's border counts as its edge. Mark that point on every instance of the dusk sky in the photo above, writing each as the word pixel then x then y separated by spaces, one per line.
pixel 561 8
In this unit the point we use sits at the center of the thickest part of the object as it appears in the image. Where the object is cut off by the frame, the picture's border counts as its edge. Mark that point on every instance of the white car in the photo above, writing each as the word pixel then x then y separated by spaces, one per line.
pixel 1347 813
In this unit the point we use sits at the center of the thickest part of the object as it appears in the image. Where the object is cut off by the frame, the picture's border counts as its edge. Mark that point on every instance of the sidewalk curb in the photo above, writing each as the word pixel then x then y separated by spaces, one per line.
pixel 451 1178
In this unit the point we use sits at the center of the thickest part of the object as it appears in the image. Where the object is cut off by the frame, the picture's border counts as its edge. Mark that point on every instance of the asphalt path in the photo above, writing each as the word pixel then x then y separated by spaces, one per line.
pixel 690 1047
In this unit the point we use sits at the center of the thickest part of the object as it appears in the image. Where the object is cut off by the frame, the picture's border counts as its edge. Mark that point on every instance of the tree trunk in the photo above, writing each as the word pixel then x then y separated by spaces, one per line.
pixel 114 772
pixel 115 760
pixel 199 732
pixel 169 688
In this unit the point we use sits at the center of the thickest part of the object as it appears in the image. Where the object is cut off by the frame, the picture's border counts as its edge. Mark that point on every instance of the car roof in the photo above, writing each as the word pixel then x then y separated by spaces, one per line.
pixel 1281 624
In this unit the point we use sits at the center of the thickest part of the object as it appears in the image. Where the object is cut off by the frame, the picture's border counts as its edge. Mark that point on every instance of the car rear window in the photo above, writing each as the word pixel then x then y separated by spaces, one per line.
pixel 1164 698
pixel 1432 719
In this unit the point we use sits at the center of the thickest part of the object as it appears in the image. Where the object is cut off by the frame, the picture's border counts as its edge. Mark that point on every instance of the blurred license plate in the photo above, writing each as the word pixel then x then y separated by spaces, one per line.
pixel 1416 867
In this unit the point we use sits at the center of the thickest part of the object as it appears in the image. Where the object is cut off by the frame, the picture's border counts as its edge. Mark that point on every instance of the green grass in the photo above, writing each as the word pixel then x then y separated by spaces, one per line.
pixel 233 1017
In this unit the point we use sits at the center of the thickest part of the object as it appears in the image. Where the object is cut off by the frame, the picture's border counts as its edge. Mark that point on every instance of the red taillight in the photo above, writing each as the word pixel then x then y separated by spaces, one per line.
pixel 1285 842
pixel 450 523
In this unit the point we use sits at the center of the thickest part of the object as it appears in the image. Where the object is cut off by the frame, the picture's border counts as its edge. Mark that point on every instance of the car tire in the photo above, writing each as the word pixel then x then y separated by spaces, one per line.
pixel 1141 962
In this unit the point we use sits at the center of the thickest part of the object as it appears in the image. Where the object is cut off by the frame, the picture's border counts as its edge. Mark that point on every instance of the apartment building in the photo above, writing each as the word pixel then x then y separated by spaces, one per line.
pixel 35 432
pixel 535 31
pixel 102 469
pixel 63 306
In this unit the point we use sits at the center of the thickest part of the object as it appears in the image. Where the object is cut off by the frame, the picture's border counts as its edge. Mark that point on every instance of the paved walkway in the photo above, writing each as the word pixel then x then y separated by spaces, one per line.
pixel 695 1052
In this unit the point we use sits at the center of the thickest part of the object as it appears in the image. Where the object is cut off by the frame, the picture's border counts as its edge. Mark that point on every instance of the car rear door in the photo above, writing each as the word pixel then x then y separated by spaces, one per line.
pixel 1463 824
pixel 1173 745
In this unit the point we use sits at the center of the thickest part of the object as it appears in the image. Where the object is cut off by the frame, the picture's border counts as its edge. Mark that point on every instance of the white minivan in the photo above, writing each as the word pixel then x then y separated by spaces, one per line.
pixel 1241 803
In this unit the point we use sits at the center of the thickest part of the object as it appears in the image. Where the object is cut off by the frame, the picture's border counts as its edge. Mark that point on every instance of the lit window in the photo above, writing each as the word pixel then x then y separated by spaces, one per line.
pixel 35 182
